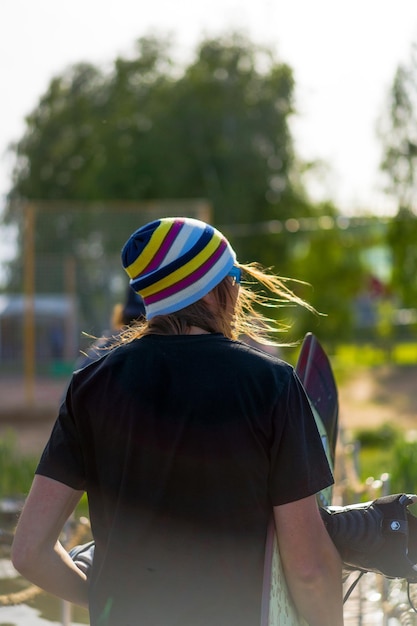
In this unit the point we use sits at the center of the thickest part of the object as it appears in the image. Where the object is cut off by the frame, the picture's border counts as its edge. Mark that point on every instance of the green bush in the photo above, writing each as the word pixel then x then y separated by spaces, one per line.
pixel 387 449
pixel 374 462
pixel 376 449
pixel 16 470
pixel 383 436
pixel 404 465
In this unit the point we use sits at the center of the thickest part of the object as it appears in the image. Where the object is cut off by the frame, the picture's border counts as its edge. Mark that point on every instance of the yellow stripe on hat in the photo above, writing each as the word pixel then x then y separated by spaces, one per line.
pixel 151 248
pixel 185 270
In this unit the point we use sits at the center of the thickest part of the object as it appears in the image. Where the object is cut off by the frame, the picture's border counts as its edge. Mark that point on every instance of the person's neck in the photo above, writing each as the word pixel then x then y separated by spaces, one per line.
pixel 196 330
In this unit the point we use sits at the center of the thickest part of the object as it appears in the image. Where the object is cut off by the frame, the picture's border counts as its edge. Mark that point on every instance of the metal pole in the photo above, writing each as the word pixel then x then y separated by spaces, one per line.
pixel 66 608
pixel 66 613
pixel 29 304
pixel 71 316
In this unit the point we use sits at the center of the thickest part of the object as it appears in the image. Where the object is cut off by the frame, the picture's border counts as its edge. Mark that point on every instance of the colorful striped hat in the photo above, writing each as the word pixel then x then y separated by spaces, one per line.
pixel 175 261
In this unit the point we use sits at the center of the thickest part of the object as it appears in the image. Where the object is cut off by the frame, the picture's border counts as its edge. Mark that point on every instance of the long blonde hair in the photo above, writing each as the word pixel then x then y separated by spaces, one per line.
pixel 247 319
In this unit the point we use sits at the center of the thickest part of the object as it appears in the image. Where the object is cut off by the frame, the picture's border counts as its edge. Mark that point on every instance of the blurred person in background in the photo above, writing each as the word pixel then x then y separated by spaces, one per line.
pixel 132 310
pixel 187 442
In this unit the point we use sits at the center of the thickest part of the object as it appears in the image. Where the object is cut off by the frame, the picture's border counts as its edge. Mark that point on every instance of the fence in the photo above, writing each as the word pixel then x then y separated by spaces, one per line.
pixel 69 253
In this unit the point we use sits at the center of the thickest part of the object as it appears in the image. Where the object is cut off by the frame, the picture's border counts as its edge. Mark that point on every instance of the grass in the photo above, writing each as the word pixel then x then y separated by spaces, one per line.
pixel 374 462
pixel 405 353
pixel 384 448
pixel 387 449
pixel 17 471
pixel 371 354
pixel 404 467
pixel 376 449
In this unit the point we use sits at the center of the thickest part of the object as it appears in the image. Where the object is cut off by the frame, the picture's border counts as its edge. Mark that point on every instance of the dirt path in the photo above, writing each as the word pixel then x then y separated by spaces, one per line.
pixel 374 397
pixel 28 414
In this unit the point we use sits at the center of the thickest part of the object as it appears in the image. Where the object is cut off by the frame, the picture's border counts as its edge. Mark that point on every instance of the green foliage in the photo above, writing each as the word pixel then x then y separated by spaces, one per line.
pixel 398 134
pixel 216 128
pixel 372 354
pixel 404 466
pixel 402 237
pixel 399 163
pixel 328 259
pixel 387 449
pixel 382 437
pixel 16 471
pixel 374 462
pixel 376 449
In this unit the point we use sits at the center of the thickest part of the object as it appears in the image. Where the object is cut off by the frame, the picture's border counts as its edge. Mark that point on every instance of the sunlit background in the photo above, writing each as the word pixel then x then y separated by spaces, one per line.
pixel 344 56
pixel 361 263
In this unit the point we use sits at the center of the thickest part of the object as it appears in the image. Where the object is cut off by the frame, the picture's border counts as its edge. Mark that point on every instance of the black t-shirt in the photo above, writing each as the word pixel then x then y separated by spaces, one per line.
pixel 183 444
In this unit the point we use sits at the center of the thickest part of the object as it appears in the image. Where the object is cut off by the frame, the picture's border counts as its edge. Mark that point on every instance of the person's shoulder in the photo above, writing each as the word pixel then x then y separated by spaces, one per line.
pixel 261 354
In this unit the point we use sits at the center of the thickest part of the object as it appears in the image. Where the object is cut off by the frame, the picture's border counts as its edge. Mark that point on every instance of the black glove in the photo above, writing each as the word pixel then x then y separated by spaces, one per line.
pixel 378 536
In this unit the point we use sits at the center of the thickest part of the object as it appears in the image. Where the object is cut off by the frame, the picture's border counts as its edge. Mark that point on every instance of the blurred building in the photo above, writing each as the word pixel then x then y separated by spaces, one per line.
pixel 53 323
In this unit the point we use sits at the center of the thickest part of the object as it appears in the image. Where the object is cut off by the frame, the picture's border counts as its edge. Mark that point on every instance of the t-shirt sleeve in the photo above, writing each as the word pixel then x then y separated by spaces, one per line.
pixel 62 458
pixel 299 466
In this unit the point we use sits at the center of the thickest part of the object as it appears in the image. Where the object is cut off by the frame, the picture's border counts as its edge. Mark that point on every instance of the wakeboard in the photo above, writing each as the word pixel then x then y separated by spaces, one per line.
pixel 315 372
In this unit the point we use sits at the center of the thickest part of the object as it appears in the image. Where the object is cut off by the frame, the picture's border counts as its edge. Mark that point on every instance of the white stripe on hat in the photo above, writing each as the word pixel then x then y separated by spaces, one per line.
pixel 193 292
pixel 185 239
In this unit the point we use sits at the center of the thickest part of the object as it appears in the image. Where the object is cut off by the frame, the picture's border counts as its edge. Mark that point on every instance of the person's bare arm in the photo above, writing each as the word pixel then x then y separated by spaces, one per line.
pixel 312 565
pixel 36 551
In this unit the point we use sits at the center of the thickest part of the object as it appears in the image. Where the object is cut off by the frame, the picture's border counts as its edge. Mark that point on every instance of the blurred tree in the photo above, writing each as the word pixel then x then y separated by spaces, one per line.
pixel 328 258
pixel 402 237
pixel 398 135
pixel 149 129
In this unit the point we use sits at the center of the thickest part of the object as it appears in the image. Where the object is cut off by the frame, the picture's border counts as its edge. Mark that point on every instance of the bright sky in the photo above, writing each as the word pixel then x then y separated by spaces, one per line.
pixel 344 55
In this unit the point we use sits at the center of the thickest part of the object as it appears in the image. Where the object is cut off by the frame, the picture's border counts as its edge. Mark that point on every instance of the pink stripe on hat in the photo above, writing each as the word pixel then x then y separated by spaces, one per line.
pixel 191 278
pixel 165 246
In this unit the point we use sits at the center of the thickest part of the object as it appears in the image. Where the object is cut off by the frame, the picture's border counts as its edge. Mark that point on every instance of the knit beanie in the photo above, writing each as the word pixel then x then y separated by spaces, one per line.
pixel 175 261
